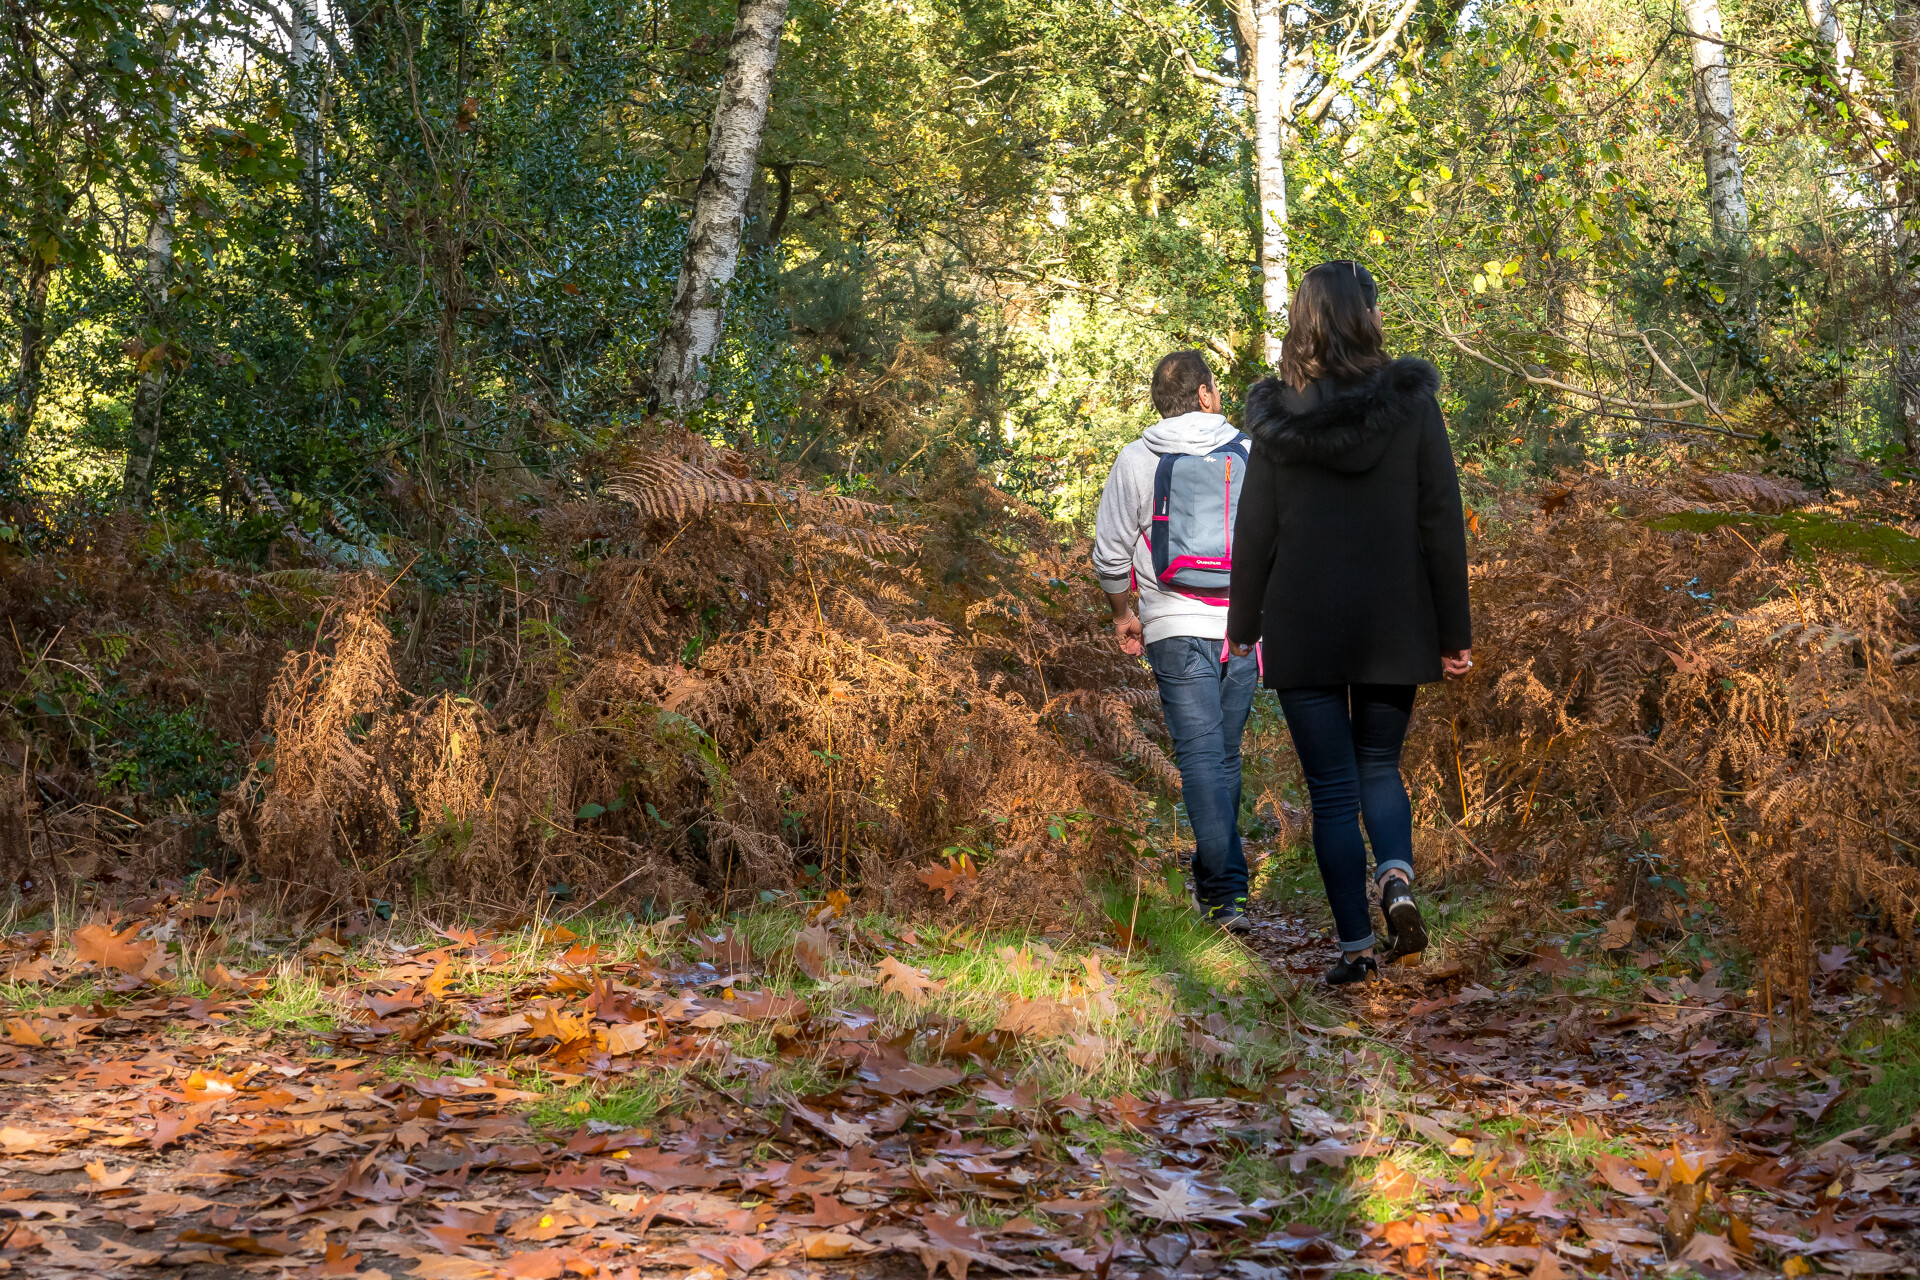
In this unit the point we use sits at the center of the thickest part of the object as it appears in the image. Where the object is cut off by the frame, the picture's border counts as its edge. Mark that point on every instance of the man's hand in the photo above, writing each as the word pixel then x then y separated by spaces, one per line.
pixel 1126 623
pixel 1239 650
pixel 1457 665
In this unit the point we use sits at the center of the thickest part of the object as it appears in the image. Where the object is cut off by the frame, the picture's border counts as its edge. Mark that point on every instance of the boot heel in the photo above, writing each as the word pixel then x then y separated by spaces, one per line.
pixel 1352 969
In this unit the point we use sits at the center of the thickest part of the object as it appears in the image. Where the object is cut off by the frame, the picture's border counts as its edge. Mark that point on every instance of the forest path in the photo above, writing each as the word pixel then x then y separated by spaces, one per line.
pixel 1548 1121
pixel 1557 1119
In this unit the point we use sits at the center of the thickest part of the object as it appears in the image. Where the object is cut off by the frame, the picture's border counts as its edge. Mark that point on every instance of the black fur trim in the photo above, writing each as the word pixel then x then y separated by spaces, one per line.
pixel 1349 429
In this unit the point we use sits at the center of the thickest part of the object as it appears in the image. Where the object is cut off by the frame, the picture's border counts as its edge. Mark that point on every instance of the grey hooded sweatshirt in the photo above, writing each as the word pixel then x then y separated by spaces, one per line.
pixel 1121 555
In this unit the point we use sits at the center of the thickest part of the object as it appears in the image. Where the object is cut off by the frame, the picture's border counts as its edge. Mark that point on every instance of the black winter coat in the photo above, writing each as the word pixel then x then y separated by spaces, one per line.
pixel 1349 552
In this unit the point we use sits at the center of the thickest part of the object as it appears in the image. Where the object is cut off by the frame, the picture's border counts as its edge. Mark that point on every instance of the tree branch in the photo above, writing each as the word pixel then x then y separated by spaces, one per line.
pixel 1694 398
pixel 1341 80
pixel 1194 69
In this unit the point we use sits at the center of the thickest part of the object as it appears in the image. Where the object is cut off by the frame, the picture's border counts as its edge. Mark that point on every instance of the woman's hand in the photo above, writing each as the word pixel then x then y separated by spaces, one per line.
pixel 1457 665
pixel 1239 650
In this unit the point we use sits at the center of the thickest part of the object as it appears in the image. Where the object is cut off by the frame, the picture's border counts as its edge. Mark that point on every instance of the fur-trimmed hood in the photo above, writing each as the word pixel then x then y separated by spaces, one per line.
pixel 1343 428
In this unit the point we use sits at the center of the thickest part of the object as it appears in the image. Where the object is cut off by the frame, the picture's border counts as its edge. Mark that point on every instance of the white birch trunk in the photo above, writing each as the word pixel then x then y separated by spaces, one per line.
pixel 1825 21
pixel 150 390
pixel 1719 135
pixel 1906 232
pixel 306 70
pixel 1270 174
pixel 719 205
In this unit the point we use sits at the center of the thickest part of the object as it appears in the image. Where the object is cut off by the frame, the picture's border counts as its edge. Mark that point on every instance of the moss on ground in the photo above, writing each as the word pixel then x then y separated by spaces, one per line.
pixel 1873 543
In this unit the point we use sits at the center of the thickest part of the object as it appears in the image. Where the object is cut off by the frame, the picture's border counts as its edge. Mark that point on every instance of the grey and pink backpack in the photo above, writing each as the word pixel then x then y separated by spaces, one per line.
pixel 1195 498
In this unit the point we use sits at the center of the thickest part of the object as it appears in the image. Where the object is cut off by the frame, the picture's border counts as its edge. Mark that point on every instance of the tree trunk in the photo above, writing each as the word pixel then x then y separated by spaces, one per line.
pixel 26 390
pixel 1719 136
pixel 306 70
pixel 156 367
pixel 713 233
pixel 1825 21
pixel 1906 237
pixel 1270 175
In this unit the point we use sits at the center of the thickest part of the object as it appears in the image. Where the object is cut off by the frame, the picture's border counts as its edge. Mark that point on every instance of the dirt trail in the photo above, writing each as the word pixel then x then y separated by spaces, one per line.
pixel 1524 1125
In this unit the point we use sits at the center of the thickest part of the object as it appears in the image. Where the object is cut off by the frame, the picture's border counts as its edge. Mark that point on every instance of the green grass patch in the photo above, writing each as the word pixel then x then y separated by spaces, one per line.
pixel 1894 1098
pixel 632 1104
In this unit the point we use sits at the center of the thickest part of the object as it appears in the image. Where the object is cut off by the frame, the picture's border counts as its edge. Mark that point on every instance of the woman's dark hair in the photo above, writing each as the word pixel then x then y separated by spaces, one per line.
pixel 1334 332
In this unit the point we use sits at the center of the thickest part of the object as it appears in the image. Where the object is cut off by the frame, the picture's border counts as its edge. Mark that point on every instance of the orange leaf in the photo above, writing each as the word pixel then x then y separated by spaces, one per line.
pixel 209 1086
pixel 942 880
pixel 170 1127
pixel 24 1033
pixel 220 978
pixel 98 944
pixel 627 1037
pixel 338 1262
pixel 813 953
pixel 1040 1017
pixel 904 981
pixel 558 1023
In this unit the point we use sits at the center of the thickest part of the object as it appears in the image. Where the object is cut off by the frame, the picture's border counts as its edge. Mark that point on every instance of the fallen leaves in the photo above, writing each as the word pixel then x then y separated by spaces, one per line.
pixel 1619 931
pixel 949 878
pixel 814 952
pixel 1041 1018
pixel 363 1131
pixel 1183 1199
pixel 97 943
pixel 904 980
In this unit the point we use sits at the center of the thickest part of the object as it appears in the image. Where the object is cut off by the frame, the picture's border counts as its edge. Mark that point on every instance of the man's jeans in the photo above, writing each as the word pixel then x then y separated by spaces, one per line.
pixel 1348 738
pixel 1206 702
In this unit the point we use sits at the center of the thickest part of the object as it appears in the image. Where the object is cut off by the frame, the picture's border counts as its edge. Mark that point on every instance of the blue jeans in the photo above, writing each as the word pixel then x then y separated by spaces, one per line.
pixel 1348 738
pixel 1206 702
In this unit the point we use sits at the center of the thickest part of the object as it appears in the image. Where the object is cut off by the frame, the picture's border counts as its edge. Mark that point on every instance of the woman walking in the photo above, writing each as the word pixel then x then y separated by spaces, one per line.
pixel 1350 566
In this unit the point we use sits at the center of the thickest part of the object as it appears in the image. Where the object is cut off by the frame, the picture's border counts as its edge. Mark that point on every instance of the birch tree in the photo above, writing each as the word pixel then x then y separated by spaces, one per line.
pixel 1906 210
pixel 74 93
pixel 306 69
pixel 1284 93
pixel 1719 136
pixel 712 252
pixel 156 361
pixel 1270 174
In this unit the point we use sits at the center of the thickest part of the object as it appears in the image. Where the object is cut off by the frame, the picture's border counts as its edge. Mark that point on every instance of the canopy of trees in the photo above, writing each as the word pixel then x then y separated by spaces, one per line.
pixel 358 261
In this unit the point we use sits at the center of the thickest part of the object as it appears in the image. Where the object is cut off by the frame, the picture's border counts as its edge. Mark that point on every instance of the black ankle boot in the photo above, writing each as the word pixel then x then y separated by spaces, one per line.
pixel 1403 919
pixel 1354 968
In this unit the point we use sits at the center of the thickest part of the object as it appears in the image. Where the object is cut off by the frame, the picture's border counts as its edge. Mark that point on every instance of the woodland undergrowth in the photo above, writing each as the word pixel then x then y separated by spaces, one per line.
pixel 1680 710
pixel 690 678
pixel 685 681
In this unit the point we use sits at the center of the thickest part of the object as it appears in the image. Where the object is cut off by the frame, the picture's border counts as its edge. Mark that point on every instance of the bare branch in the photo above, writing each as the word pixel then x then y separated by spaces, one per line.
pixel 1538 377
pixel 1194 69
pixel 1383 45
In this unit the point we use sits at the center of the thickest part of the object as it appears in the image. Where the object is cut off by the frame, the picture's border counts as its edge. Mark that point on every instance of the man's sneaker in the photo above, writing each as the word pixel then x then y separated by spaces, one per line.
pixel 1403 919
pixel 1232 917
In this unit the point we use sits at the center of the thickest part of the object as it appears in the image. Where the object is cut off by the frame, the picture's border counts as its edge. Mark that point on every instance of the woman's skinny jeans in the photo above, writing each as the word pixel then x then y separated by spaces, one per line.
pixel 1348 738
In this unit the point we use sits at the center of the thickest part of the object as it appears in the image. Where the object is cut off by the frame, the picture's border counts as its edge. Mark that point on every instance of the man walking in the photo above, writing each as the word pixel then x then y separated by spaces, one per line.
pixel 1169 493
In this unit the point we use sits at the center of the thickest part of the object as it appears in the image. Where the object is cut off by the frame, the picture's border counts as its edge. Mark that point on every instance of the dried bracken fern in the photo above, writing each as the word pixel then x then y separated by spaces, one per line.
pixel 754 677
pixel 1724 710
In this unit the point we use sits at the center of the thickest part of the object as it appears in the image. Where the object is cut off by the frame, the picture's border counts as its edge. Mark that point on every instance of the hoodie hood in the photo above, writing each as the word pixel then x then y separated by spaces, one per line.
pixel 1196 433
pixel 1340 427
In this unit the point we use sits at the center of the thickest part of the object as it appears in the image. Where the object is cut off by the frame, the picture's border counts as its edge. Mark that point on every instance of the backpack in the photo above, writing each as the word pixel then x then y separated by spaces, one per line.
pixel 1195 498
